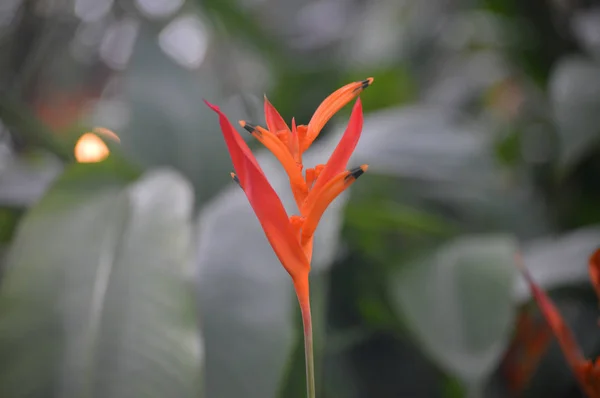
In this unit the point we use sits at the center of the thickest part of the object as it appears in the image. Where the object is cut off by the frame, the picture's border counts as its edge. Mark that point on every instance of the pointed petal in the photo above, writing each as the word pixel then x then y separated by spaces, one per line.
pixel 275 223
pixel 594 268
pixel 264 201
pixel 330 106
pixel 340 156
pixel 274 120
pixel 569 346
pixel 237 147
pixel 314 210
pixel 282 153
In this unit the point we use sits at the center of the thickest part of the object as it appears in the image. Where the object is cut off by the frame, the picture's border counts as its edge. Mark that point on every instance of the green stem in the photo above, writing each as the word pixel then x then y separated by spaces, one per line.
pixel 302 290
pixel 308 350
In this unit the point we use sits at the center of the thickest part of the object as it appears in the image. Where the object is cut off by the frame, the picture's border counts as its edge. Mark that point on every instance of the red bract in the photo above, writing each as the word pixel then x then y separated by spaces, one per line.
pixel 291 237
pixel 587 372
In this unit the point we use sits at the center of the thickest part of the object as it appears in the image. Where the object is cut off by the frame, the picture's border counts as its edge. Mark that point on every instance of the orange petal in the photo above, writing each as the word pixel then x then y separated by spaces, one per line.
pixel 594 268
pixel 330 106
pixel 302 129
pixel 274 120
pixel 311 176
pixel 295 143
pixel 237 147
pixel 340 156
pixel 266 204
pixel 314 210
pixel 281 152
pixel 297 223
pixel 275 222
pixel 569 346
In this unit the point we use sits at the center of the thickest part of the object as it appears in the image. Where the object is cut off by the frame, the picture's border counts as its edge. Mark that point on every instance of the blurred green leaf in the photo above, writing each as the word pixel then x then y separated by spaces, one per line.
pixel 457 301
pixel 440 159
pixel 170 125
pixel 574 87
pixel 95 301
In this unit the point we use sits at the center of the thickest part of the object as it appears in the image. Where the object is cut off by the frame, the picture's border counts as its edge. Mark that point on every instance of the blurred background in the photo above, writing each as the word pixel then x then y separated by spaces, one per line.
pixel 131 265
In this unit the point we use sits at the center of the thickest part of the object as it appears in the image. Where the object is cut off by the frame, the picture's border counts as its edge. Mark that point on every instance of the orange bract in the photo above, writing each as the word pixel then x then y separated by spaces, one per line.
pixel 292 237
pixel 587 372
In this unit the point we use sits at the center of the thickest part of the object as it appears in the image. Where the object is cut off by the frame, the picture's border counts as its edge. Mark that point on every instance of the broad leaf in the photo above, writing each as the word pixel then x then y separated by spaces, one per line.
pixel 95 301
pixel 457 301
pixel 574 87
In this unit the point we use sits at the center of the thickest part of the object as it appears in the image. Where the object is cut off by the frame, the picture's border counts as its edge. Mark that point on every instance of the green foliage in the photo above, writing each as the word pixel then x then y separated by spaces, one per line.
pixel 95 301
pixel 457 301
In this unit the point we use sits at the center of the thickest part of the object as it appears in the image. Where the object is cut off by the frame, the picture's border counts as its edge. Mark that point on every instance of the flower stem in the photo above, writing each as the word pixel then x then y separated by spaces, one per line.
pixel 304 299
pixel 308 351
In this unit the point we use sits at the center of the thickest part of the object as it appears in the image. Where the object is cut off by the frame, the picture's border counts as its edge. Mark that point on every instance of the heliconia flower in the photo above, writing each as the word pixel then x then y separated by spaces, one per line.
pixel 586 371
pixel 292 237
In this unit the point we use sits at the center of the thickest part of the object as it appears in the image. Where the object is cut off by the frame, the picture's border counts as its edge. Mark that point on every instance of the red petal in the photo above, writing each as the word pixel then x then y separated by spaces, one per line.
pixel 274 120
pixel 565 337
pixel 594 268
pixel 340 156
pixel 275 222
pixel 264 201
pixel 237 147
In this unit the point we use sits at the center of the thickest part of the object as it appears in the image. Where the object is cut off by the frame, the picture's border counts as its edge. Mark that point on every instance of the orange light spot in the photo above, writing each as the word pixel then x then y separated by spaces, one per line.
pixel 90 149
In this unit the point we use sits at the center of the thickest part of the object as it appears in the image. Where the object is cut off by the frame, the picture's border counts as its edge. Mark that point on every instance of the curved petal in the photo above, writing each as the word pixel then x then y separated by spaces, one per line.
pixel 282 153
pixel 340 156
pixel 274 120
pixel 313 211
pixel 336 101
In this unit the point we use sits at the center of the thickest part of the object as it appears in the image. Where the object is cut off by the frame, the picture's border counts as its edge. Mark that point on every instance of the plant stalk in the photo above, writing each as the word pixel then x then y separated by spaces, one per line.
pixel 309 352
pixel 304 300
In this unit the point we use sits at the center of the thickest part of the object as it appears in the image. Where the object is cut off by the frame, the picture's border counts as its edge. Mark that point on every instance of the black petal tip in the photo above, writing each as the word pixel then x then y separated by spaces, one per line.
pixel 249 127
pixel 355 173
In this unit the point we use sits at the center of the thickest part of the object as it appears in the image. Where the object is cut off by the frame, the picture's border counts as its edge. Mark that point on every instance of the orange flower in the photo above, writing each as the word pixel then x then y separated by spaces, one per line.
pixel 292 237
pixel 586 371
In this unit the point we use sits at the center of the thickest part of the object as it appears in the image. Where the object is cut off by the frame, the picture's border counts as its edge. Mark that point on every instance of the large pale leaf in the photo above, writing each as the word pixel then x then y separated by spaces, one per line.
pixel 457 301
pixel 168 124
pixel 574 87
pixel 95 301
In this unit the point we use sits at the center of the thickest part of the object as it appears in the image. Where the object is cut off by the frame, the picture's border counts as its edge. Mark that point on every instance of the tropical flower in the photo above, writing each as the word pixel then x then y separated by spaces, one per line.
pixel 586 371
pixel 292 237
